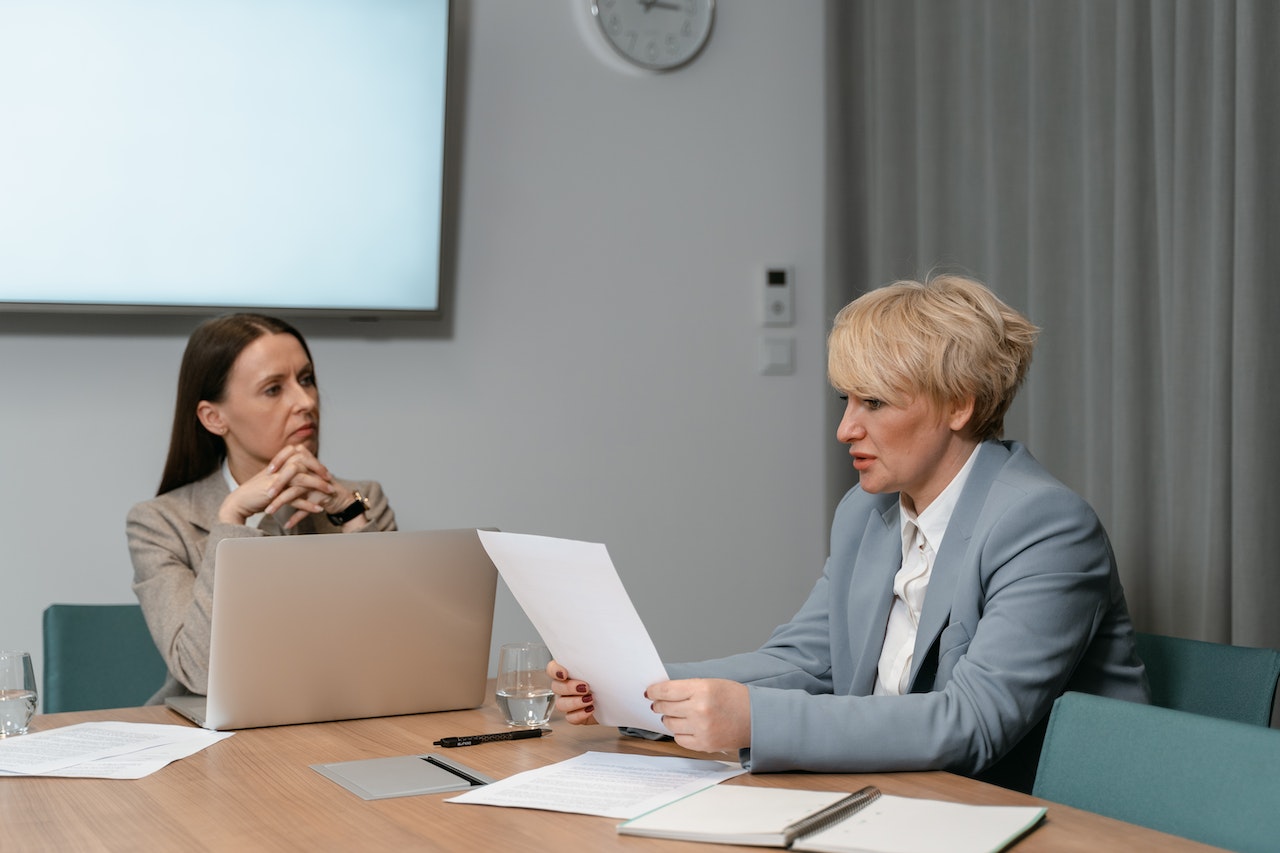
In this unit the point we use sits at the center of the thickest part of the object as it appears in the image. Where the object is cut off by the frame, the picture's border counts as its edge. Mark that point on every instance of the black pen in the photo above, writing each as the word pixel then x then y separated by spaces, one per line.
pixel 472 740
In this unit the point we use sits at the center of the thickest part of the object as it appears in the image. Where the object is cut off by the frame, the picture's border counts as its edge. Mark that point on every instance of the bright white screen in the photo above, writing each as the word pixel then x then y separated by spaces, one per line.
pixel 237 153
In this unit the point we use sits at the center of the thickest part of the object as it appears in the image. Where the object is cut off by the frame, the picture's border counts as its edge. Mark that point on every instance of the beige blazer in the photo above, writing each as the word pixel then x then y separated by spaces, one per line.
pixel 172 540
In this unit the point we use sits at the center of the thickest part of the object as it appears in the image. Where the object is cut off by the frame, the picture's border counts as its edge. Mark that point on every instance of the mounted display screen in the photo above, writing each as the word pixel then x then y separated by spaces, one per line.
pixel 184 155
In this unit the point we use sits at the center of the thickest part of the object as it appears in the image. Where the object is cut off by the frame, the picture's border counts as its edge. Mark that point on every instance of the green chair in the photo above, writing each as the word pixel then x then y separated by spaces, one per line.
pixel 1210 780
pixel 1228 682
pixel 98 656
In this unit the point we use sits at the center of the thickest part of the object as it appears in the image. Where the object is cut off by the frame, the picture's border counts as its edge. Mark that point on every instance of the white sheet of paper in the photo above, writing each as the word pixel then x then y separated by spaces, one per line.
pixel 572 594
pixel 604 783
pixel 40 753
pixel 179 742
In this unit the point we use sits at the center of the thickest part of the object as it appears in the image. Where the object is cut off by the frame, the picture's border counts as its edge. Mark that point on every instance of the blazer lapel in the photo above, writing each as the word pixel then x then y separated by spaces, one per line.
pixel 207 496
pixel 871 595
pixel 949 562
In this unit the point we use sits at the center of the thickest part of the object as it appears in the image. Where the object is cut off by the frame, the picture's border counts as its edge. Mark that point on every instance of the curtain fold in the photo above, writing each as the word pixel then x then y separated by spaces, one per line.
pixel 1111 167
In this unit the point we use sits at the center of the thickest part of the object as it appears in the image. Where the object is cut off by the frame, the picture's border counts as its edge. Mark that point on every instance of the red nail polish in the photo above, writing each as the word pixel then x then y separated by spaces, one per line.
pixel 589 708
pixel 560 674
pixel 582 688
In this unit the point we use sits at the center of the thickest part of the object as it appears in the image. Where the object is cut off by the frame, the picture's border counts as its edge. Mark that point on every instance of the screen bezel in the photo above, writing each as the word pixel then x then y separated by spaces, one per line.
pixel 448 195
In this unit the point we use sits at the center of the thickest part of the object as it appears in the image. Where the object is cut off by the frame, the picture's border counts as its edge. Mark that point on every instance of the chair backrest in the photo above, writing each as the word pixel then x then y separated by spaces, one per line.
pixel 1210 780
pixel 1228 682
pixel 98 656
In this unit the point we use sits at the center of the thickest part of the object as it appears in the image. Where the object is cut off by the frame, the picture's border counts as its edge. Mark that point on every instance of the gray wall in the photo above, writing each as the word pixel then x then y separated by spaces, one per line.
pixel 598 378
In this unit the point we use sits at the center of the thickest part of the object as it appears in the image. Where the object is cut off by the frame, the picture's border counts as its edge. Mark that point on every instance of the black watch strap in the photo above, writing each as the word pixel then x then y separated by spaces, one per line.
pixel 357 507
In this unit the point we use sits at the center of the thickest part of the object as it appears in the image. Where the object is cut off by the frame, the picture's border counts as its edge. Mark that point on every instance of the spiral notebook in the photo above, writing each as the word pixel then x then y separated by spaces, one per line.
pixel 834 822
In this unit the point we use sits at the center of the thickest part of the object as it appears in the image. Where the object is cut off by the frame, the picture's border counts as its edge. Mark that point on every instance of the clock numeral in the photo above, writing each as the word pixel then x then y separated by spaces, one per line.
pixel 654 34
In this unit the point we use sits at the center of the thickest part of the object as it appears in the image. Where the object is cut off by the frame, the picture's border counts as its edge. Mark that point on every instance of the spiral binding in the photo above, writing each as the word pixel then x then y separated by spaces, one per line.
pixel 833 813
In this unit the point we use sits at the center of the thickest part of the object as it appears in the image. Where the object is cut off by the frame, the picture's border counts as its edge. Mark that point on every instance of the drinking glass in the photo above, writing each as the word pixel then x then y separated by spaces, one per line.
pixel 524 688
pixel 17 693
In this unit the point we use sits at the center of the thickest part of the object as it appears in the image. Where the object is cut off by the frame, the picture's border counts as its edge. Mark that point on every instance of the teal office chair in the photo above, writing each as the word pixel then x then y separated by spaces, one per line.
pixel 98 656
pixel 1210 780
pixel 1228 682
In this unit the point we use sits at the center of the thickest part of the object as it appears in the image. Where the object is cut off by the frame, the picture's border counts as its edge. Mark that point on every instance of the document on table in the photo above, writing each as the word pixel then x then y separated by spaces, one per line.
pixel 572 594
pixel 604 783
pixel 108 750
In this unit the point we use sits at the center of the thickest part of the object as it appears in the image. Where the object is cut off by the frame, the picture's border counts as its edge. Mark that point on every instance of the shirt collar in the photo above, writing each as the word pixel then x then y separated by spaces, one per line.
pixel 933 522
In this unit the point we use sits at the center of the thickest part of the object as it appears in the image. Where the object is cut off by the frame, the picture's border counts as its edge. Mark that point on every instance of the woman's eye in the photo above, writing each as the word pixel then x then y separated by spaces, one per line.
pixel 872 404
pixel 271 390
pixel 307 379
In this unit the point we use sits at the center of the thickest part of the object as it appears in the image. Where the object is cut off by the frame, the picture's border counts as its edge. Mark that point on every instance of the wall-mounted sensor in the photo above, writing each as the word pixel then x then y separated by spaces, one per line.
pixel 779 296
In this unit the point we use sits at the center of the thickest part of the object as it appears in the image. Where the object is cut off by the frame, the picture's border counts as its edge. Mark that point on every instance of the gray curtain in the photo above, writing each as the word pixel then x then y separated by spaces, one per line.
pixel 1112 168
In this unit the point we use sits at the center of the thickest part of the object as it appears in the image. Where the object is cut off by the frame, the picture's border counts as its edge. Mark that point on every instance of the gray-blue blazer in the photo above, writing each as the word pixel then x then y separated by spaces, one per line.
pixel 1024 603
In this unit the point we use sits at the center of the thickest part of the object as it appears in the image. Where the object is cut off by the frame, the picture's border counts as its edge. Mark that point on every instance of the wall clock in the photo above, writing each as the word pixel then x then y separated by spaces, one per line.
pixel 658 35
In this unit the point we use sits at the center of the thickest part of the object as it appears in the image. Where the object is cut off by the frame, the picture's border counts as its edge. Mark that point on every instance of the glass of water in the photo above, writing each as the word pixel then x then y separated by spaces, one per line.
pixel 17 693
pixel 524 688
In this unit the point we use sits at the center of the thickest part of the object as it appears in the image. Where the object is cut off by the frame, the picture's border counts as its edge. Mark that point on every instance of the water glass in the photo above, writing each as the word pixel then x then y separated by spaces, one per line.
pixel 524 688
pixel 17 693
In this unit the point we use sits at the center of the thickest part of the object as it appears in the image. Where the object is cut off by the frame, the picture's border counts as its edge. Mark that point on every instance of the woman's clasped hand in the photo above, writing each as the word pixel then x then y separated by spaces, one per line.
pixel 294 477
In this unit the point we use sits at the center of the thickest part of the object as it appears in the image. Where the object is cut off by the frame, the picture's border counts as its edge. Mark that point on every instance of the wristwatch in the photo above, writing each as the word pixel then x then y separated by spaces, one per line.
pixel 357 507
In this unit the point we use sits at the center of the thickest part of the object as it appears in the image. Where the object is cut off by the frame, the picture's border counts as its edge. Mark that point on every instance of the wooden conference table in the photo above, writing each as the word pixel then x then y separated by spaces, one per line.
pixel 257 791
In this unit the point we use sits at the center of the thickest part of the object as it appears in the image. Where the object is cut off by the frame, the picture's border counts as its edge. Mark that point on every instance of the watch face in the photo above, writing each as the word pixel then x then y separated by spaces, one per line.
pixel 655 34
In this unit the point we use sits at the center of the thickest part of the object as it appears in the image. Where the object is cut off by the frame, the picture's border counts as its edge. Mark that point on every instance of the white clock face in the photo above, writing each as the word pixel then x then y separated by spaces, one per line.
pixel 655 34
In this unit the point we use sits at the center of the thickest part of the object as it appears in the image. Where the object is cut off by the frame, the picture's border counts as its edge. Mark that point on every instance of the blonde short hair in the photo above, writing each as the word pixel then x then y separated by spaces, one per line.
pixel 948 338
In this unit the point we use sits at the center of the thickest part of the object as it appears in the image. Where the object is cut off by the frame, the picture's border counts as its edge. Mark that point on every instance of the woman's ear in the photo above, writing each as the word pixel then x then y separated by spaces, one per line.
pixel 960 413
pixel 210 417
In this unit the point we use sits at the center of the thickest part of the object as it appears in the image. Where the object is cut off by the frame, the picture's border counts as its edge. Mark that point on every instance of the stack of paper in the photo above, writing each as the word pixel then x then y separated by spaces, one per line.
pixel 102 750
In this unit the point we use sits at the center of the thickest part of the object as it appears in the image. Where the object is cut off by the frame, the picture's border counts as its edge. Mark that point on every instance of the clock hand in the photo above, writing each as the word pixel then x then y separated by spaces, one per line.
pixel 649 4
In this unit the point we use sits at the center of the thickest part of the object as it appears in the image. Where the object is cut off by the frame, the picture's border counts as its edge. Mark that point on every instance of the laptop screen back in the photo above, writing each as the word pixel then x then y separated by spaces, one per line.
pixel 333 627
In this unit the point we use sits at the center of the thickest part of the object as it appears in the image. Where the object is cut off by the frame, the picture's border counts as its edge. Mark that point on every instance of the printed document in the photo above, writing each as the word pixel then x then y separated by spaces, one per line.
pixel 108 750
pixel 604 783
pixel 572 594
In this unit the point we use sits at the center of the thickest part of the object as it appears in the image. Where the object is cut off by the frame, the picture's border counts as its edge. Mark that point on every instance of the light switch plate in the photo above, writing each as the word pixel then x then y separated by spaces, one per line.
pixel 777 356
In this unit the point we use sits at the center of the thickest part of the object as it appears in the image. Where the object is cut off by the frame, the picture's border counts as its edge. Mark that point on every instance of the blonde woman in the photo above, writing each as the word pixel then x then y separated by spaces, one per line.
pixel 966 588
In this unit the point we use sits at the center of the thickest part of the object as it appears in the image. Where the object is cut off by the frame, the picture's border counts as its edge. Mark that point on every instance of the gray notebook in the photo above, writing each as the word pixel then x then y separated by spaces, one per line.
pixel 337 627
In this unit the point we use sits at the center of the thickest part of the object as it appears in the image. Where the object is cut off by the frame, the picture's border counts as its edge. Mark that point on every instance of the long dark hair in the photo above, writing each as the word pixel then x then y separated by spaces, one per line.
pixel 212 349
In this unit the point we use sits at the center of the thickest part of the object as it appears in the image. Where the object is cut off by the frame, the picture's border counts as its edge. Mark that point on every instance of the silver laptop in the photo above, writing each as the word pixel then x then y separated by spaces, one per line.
pixel 313 628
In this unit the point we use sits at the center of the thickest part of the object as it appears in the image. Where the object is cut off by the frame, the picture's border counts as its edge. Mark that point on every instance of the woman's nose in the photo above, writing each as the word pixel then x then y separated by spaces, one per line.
pixel 303 399
pixel 850 428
